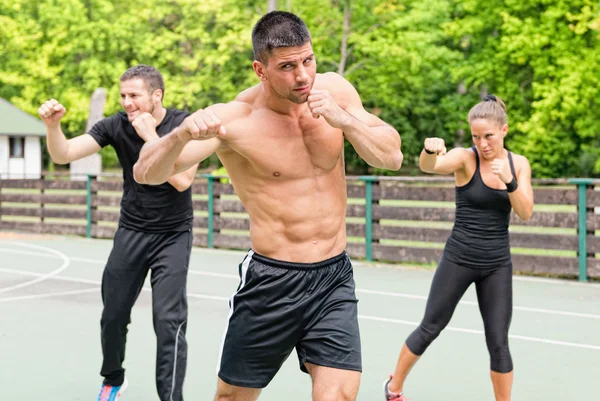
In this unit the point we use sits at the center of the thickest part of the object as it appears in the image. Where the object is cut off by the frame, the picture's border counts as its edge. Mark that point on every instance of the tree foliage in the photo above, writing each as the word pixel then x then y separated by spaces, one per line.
pixel 418 64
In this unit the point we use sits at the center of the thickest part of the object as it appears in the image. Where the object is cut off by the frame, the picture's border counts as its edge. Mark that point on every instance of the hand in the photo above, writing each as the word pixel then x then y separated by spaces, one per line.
pixel 501 168
pixel 321 103
pixel 435 145
pixel 51 112
pixel 145 126
pixel 202 125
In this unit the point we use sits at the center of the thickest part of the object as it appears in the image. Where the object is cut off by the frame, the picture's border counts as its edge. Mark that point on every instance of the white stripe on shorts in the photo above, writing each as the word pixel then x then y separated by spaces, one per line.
pixel 245 264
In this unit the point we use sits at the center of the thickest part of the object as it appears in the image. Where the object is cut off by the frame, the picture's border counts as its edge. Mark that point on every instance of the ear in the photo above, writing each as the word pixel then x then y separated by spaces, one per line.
pixel 157 96
pixel 504 130
pixel 260 69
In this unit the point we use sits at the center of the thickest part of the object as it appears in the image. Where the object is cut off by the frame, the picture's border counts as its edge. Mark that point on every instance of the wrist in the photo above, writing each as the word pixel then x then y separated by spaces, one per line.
pixel 347 121
pixel 150 137
pixel 53 127
pixel 429 152
pixel 182 135
pixel 510 179
pixel 512 185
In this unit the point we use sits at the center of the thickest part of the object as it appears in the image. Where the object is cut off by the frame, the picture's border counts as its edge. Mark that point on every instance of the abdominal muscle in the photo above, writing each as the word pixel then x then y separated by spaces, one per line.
pixel 301 220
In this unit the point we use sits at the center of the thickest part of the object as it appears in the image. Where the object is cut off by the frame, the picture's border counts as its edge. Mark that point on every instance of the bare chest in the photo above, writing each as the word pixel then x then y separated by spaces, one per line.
pixel 287 148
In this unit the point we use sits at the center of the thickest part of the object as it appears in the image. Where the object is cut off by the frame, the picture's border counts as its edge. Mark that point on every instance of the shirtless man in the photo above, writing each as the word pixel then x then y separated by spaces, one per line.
pixel 282 143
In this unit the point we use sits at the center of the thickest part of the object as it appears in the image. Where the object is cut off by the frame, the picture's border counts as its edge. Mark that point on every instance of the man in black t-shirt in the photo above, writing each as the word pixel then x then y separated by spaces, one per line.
pixel 154 233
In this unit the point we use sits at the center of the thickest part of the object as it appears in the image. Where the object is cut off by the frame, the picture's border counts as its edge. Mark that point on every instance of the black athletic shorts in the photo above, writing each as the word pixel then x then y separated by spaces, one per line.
pixel 281 305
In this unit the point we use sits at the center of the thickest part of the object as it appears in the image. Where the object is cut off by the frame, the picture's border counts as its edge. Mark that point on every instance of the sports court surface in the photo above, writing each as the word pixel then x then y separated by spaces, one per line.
pixel 50 324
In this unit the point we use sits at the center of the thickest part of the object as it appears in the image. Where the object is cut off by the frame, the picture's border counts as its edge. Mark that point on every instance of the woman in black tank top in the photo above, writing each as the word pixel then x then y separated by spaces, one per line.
pixel 490 182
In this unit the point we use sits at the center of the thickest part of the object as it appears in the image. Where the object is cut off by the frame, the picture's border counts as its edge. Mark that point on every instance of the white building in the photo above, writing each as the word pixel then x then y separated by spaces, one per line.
pixel 20 143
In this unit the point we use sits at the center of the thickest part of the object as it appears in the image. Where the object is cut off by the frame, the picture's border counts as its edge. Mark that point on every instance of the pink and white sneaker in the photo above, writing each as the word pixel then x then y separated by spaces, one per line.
pixel 392 396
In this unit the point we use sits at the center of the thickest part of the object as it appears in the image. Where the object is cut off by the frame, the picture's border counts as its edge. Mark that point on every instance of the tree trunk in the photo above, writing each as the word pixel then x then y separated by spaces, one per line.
pixel 271 5
pixel 346 32
pixel 459 137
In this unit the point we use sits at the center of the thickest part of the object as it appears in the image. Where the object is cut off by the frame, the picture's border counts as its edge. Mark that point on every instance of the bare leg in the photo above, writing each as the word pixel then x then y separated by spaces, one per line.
pixel 227 392
pixel 502 385
pixel 330 384
pixel 406 361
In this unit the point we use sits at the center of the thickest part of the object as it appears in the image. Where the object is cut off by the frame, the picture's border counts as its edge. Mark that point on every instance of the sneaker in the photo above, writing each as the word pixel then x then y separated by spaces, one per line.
pixel 112 393
pixel 392 396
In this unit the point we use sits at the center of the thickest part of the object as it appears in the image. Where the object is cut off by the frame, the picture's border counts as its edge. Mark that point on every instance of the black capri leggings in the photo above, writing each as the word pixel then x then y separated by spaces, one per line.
pixel 494 294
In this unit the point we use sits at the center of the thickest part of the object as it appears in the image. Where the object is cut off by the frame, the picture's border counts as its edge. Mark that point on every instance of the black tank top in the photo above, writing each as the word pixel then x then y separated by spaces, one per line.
pixel 479 237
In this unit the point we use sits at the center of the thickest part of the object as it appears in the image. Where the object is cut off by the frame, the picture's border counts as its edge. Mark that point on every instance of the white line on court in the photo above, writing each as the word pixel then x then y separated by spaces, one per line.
pixel 225 299
pixel 358 290
pixel 58 278
pixel 82 281
pixel 54 252
pixel 48 295
pixel 521 308
pixel 241 253
pixel 461 330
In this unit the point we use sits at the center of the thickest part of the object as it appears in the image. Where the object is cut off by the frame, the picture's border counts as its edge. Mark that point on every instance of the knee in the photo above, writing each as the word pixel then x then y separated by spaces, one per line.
pixel 341 393
pixel 429 332
pixel 497 344
pixel 114 318
pixel 227 392
pixel 500 358
pixel 422 337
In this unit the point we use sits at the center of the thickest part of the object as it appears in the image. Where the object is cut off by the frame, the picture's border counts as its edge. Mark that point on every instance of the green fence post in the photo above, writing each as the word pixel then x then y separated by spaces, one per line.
pixel 582 185
pixel 368 180
pixel 211 212
pixel 88 230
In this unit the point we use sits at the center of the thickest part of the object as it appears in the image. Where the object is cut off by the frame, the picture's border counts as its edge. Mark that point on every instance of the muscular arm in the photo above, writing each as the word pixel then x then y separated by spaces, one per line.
pixel 183 180
pixel 63 151
pixel 376 142
pixel 177 152
pixel 145 126
pixel 522 198
pixel 170 155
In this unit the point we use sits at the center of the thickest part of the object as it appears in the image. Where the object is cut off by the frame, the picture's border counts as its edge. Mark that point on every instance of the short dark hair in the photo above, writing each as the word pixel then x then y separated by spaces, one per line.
pixel 150 75
pixel 278 29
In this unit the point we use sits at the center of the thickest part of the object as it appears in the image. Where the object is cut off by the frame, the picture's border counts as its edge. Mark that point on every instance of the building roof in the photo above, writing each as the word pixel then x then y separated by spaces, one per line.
pixel 14 121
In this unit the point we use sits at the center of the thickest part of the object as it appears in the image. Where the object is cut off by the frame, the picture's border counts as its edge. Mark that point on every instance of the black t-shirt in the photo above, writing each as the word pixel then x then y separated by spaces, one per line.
pixel 146 208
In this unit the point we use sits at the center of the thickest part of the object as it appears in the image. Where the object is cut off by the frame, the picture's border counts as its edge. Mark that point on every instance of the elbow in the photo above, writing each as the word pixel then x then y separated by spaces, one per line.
pixel 56 159
pixel 60 161
pixel 139 173
pixel 396 162
pixel 393 162
pixel 526 214
pixel 142 175
pixel 182 185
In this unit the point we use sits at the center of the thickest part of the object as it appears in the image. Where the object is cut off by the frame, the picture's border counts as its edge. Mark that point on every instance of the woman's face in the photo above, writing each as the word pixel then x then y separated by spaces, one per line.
pixel 488 137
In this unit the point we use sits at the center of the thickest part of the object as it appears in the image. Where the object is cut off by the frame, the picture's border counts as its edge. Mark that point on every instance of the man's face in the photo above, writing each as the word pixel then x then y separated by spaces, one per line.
pixel 290 72
pixel 136 98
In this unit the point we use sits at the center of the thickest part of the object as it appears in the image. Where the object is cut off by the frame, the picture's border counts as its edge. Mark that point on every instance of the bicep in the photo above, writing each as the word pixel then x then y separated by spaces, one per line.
pixel 82 146
pixel 359 112
pixel 353 105
pixel 524 177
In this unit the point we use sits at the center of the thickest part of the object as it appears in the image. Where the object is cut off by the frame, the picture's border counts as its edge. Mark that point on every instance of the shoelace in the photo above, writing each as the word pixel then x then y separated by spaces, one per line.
pixel 105 393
